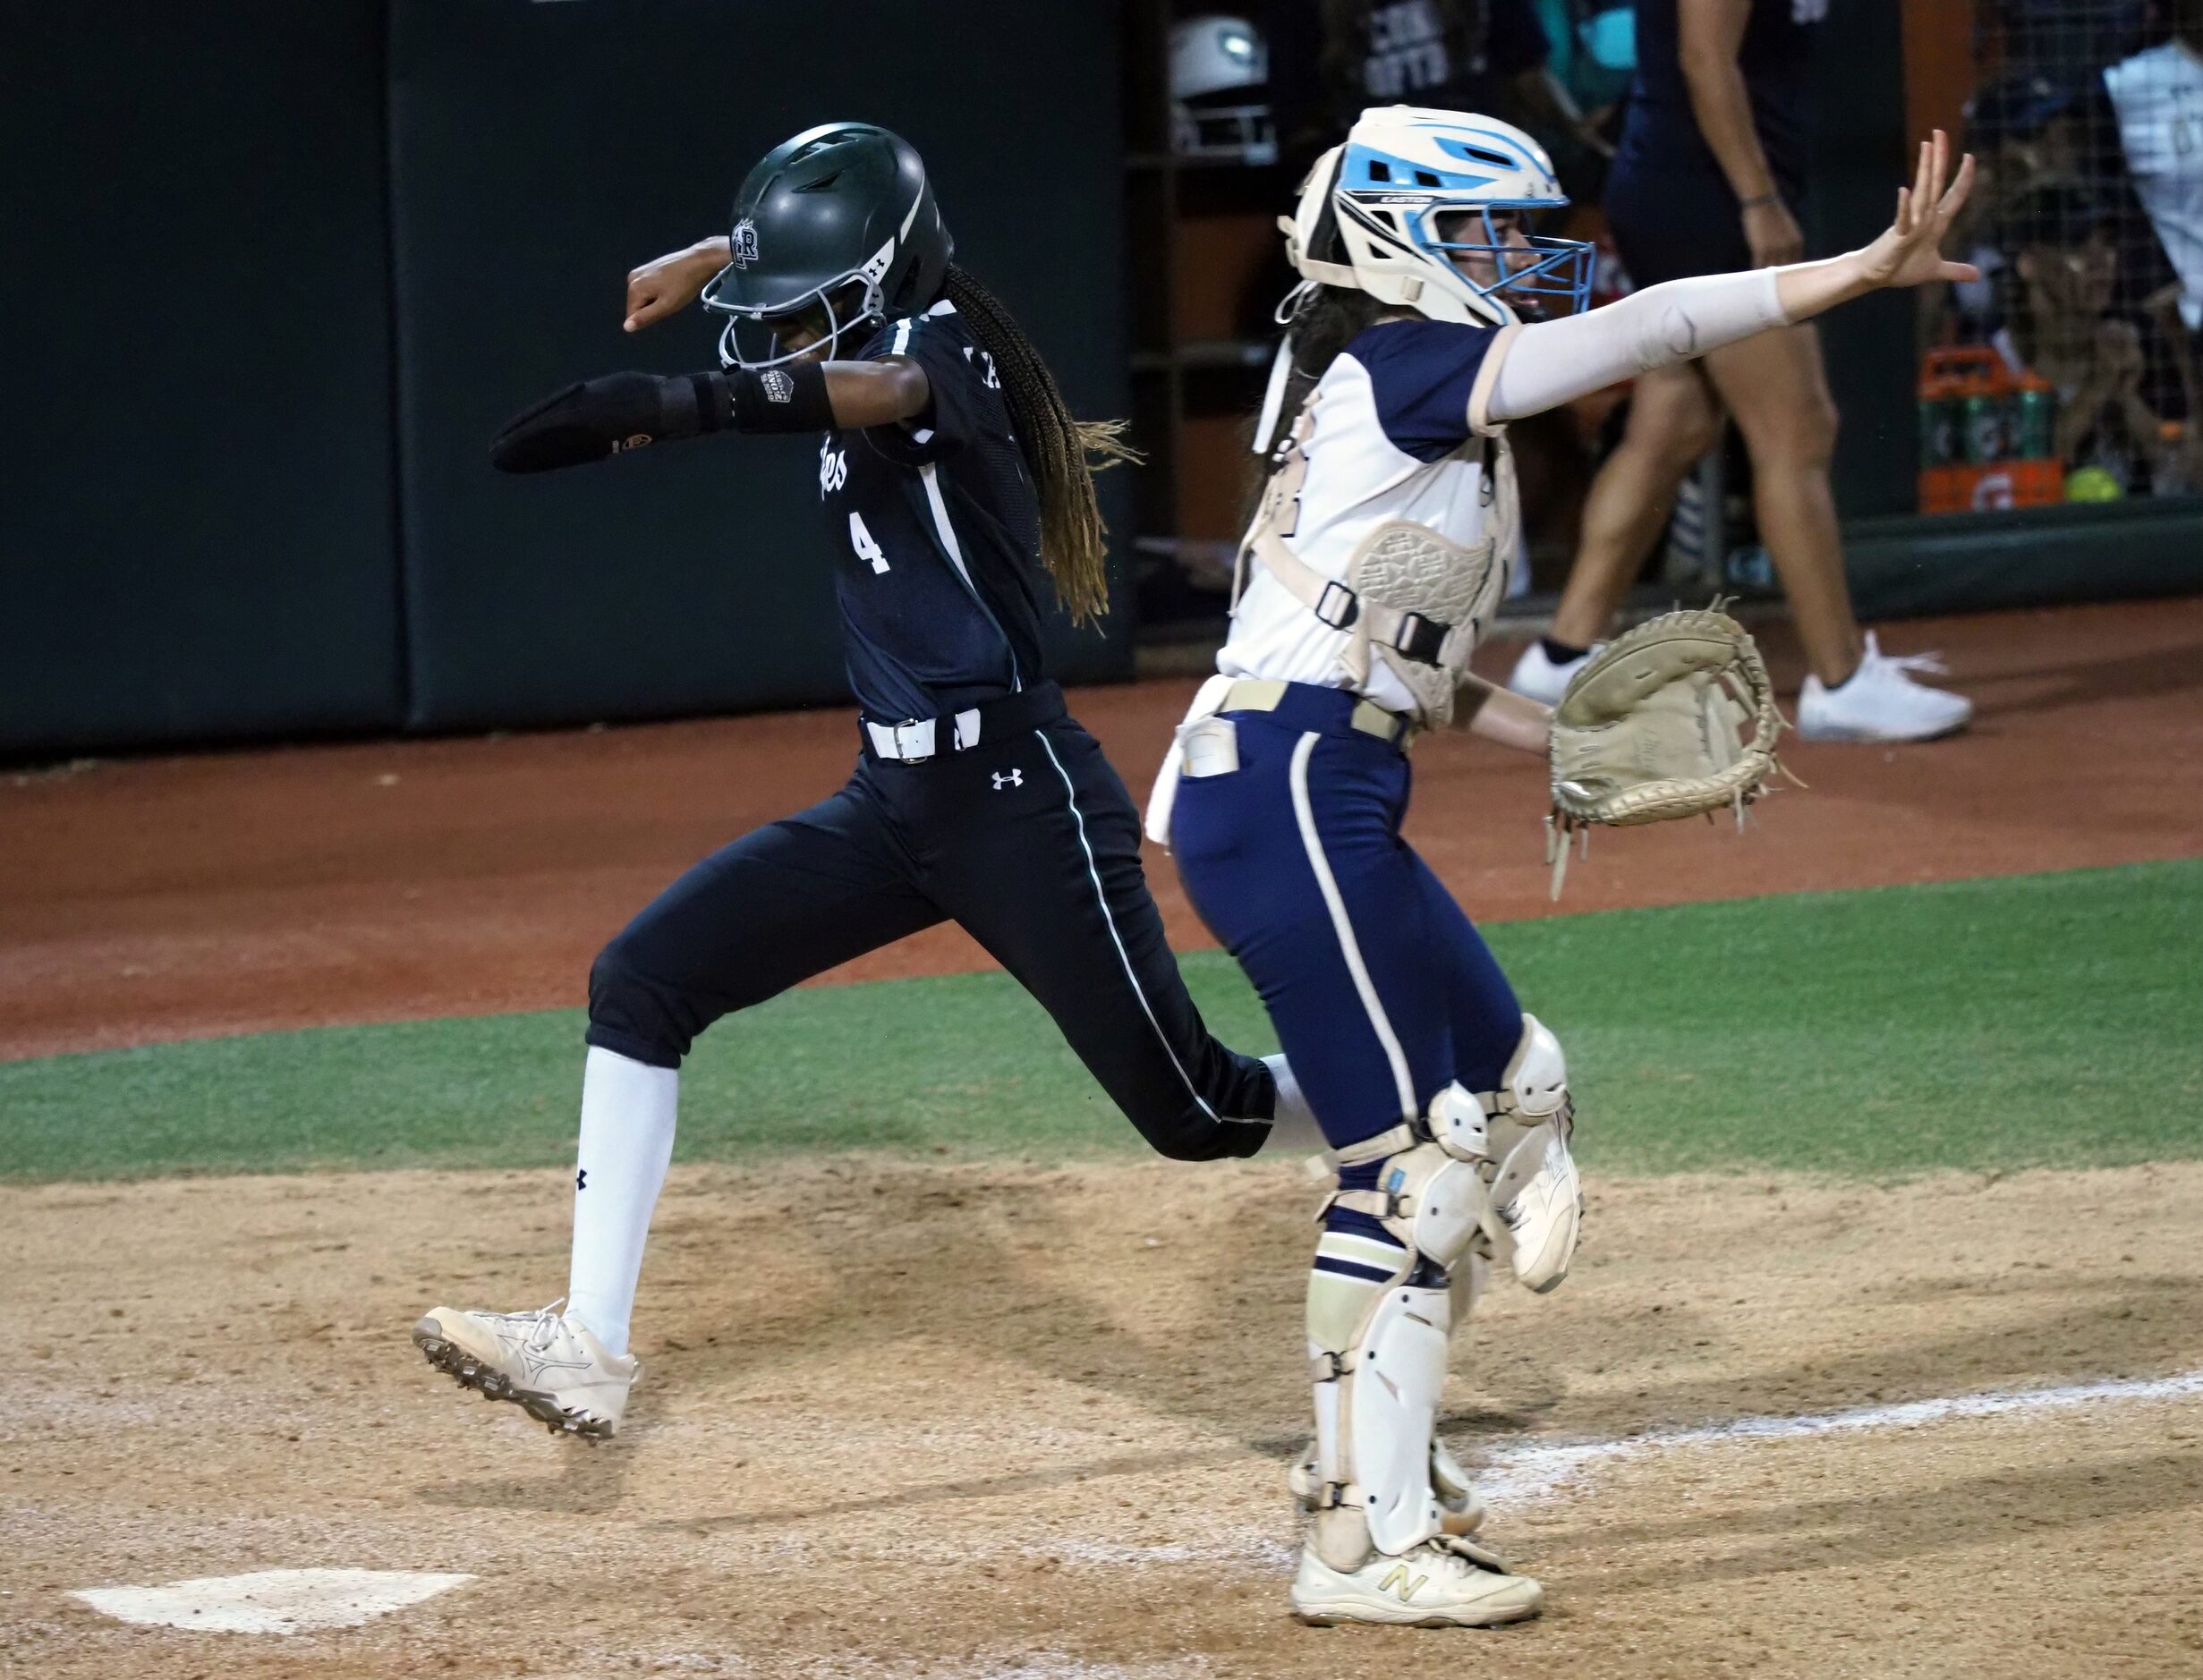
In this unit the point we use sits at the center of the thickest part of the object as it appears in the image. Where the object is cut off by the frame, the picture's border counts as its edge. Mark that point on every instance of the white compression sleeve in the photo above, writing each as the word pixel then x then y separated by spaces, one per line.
pixel 628 1110
pixel 1552 362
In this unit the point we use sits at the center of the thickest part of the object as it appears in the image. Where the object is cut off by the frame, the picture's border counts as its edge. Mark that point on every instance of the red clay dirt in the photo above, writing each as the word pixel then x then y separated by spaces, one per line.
pixel 237 892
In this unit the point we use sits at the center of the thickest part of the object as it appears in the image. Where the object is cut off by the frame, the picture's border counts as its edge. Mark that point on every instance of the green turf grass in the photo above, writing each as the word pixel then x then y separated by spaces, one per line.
pixel 1983 1025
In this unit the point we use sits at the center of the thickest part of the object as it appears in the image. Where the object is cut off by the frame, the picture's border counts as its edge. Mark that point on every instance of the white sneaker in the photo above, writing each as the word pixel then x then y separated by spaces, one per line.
pixel 1538 678
pixel 545 1362
pixel 1449 1582
pixel 1880 702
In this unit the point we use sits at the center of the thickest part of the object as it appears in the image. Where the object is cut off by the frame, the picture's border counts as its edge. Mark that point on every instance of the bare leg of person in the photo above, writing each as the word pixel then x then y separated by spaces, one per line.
pixel 1775 387
pixel 1672 422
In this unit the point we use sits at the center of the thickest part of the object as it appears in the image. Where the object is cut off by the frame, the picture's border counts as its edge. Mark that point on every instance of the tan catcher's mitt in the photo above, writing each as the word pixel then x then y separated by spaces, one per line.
pixel 1674 719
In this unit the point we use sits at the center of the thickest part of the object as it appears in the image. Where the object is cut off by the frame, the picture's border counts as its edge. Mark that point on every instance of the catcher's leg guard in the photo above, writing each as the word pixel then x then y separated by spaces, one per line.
pixel 1337 1301
pixel 1517 1138
pixel 1379 1321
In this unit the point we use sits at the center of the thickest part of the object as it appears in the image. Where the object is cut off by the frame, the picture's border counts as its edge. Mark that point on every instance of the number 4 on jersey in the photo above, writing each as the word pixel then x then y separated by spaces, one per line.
pixel 861 539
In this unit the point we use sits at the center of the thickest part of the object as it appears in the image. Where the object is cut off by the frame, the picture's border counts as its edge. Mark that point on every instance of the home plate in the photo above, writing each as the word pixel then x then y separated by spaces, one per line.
pixel 272 1600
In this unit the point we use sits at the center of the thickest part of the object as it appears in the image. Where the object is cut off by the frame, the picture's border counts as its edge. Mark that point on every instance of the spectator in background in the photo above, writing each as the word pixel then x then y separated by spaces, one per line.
pixel 2024 130
pixel 2064 268
pixel 1708 178
pixel 1330 58
pixel 2157 97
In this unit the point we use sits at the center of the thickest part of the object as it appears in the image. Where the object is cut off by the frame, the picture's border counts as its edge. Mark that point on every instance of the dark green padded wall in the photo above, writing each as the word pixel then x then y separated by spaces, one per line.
pixel 196 534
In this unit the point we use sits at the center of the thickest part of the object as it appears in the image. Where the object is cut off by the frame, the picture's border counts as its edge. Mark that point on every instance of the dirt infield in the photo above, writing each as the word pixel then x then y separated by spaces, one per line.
pixel 228 893
pixel 986 1422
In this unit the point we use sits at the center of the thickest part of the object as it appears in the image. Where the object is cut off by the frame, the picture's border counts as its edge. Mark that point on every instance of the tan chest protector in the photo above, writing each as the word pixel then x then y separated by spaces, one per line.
pixel 1410 596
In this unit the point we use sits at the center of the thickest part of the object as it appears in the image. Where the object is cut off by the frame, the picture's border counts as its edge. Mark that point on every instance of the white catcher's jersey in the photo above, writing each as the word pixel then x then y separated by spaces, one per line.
pixel 2159 98
pixel 1399 433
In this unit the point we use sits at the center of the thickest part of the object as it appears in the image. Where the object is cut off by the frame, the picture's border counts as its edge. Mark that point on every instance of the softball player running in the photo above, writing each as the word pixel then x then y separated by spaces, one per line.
pixel 951 474
pixel 1428 317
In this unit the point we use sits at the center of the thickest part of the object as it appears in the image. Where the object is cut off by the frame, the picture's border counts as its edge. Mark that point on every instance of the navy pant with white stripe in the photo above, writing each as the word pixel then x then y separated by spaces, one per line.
pixel 1031 843
pixel 1380 990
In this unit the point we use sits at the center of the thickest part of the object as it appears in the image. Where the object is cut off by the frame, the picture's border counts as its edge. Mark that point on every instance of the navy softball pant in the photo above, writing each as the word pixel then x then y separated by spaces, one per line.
pixel 1380 990
pixel 1030 842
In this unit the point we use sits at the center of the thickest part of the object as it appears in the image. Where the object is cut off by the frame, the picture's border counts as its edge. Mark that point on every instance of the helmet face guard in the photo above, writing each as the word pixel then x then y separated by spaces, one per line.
pixel 848 306
pixel 1538 267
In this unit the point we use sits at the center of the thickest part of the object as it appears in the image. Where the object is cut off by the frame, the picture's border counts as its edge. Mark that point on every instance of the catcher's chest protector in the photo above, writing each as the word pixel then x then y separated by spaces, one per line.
pixel 1401 563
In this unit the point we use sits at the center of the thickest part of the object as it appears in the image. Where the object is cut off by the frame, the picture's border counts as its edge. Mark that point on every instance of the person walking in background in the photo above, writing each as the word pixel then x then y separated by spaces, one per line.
pixel 1708 178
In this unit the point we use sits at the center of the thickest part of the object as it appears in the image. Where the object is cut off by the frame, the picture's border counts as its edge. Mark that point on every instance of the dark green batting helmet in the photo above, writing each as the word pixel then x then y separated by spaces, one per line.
pixel 837 228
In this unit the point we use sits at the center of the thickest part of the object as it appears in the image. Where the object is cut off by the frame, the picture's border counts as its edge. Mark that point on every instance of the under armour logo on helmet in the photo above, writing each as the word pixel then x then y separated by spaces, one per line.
pixel 1009 778
pixel 743 242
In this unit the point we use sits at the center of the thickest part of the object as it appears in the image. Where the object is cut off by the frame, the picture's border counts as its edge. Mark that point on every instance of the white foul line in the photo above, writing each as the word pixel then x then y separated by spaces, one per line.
pixel 1523 1473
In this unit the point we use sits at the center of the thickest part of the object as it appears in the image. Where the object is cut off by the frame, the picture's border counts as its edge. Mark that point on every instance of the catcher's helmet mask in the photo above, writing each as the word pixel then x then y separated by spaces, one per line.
pixel 1377 212
pixel 834 231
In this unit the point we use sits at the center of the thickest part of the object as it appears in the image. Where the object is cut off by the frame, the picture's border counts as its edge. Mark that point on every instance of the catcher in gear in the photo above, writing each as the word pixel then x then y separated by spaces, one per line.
pixel 1430 314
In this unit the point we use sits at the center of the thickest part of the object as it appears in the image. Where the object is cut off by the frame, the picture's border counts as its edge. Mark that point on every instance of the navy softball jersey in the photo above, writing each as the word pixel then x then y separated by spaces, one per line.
pixel 936 530
pixel 1672 210
pixel 999 813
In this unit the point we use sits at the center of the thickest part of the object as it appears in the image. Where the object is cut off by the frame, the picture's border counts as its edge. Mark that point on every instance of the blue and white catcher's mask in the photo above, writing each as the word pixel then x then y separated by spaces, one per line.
pixel 1369 215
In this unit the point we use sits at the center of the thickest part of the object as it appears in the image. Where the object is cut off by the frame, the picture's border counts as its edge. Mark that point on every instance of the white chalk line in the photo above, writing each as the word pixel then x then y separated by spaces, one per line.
pixel 1522 1473
pixel 1526 1472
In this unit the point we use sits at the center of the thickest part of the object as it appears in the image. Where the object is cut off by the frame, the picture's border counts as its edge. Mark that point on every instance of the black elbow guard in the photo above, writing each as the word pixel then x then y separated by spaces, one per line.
pixel 608 416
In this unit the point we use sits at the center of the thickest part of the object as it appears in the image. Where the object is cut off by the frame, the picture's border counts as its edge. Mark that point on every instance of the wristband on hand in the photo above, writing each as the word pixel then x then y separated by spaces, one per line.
pixel 789 398
pixel 1761 202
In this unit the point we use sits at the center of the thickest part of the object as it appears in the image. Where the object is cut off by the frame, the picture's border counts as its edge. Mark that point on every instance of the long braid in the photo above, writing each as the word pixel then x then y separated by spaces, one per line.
pixel 1063 453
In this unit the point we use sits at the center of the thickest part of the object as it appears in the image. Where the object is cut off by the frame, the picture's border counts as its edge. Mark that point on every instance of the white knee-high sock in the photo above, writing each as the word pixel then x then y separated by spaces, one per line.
pixel 627 1118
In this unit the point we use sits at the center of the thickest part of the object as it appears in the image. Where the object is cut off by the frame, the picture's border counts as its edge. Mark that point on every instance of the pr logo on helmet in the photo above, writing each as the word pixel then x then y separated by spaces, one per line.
pixel 745 242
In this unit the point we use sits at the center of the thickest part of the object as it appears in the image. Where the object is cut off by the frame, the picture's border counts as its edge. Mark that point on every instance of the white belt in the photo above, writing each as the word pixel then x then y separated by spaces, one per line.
pixel 912 741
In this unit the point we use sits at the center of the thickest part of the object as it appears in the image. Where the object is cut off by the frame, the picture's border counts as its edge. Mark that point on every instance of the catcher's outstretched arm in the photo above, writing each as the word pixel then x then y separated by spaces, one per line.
pixel 1552 362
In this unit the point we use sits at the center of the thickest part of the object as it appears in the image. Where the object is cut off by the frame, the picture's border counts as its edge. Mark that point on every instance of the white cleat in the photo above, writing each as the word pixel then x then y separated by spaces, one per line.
pixel 1451 1581
pixel 1536 677
pixel 546 1363
pixel 1880 702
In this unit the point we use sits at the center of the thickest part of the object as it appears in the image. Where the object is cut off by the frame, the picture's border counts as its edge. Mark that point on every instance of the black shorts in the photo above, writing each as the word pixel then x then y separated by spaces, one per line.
pixel 1671 221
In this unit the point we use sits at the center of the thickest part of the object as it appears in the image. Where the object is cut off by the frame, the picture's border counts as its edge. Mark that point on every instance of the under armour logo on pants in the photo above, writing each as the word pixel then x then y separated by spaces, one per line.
pixel 1009 778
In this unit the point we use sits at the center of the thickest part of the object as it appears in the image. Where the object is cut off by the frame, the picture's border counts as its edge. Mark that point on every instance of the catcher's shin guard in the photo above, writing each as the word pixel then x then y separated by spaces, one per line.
pixel 1379 1321
pixel 1339 1300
